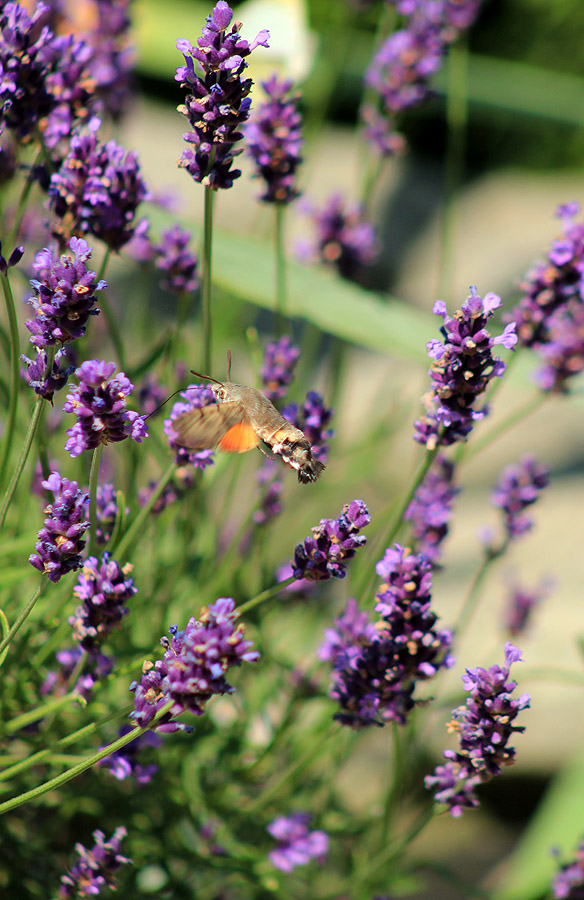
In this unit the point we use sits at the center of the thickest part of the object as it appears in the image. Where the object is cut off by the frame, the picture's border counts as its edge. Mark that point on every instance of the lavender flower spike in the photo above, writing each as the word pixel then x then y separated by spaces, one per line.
pixel 95 868
pixel 430 510
pixel 297 846
pixel 217 104
pixel 60 542
pixel 99 402
pixel 103 589
pixel 462 368
pixel 280 358
pixel 177 262
pixel 485 729
pixel 569 882
pixel 275 141
pixel 519 487
pixel 64 295
pixel 193 668
pixel 195 397
pixel 344 238
pixel 333 543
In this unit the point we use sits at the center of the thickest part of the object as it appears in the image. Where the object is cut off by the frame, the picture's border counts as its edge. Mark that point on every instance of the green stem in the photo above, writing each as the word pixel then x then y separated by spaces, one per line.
pixel 21 208
pixel 87 763
pixel 23 457
pixel 279 318
pixel 21 618
pixel 296 767
pixel 456 117
pixel 474 592
pixel 206 279
pixel 14 376
pixel 396 782
pixel 39 712
pixel 93 482
pixel 511 420
pixel 73 738
pixel 385 538
pixel 135 528
pixel 265 595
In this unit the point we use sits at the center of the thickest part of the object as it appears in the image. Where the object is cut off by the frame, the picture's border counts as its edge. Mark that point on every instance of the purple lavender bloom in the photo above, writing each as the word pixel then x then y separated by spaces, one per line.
pixel 99 402
pixel 333 543
pixel 562 354
pixel 27 56
pixel 275 141
pixel 297 846
pixel 125 763
pixel 403 67
pixel 463 365
pixel 344 239
pixel 485 728
pixel 376 668
pixel 550 285
pixel 351 628
pixel 96 666
pixel 430 510
pixel 179 264
pixel 72 88
pixel 151 394
pixel 95 868
pixel 195 397
pixel 518 488
pixel 569 882
pixel 174 491
pixel 280 358
pixel 520 605
pixel 312 418
pixel 64 295
pixel 97 191
pixel 194 666
pixel 103 590
pixel 43 383
pixel 217 104
pixel 107 512
pixel 112 58
pixel 60 542
pixel 271 484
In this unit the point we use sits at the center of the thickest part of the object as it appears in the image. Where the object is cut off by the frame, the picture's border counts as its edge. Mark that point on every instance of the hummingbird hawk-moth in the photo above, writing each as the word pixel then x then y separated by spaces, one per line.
pixel 242 418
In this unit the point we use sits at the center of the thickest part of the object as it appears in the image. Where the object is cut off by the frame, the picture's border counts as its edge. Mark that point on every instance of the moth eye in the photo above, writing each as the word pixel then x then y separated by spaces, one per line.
pixel 220 393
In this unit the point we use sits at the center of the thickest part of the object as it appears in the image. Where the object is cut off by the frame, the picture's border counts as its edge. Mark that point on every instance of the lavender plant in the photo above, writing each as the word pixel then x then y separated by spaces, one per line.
pixel 221 757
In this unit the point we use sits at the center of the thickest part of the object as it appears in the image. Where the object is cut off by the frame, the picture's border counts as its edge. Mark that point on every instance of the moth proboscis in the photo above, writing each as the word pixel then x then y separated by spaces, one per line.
pixel 242 418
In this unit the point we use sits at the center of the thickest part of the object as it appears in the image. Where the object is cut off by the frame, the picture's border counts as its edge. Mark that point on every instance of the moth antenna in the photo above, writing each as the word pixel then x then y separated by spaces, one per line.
pixel 229 365
pixel 206 377
pixel 164 402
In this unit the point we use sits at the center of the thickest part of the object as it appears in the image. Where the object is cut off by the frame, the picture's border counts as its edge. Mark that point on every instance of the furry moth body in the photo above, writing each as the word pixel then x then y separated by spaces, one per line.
pixel 242 418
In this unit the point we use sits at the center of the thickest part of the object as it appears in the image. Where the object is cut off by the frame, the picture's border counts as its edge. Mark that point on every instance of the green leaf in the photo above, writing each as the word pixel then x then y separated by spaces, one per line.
pixel 558 823
pixel 243 268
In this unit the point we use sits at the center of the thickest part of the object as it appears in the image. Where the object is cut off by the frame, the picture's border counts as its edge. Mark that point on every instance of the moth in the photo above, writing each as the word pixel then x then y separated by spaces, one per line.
pixel 243 418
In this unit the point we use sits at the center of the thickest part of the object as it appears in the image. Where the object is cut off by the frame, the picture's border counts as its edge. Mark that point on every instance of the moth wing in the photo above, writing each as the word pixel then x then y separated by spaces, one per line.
pixel 222 425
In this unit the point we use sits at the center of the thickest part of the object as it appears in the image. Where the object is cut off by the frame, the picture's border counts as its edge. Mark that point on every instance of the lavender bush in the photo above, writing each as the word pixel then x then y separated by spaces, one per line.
pixel 217 682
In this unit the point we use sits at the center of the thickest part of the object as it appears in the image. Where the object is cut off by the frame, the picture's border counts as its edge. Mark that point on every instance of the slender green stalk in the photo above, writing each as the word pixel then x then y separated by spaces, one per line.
pixel 385 538
pixel 207 258
pixel 396 783
pixel 265 595
pixel 39 712
pixel 21 618
pixel 456 117
pixel 73 738
pixel 21 207
pixel 135 528
pixel 514 418
pixel 14 377
pixel 93 482
pixel 87 763
pixel 22 461
pixel 474 592
pixel 280 314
